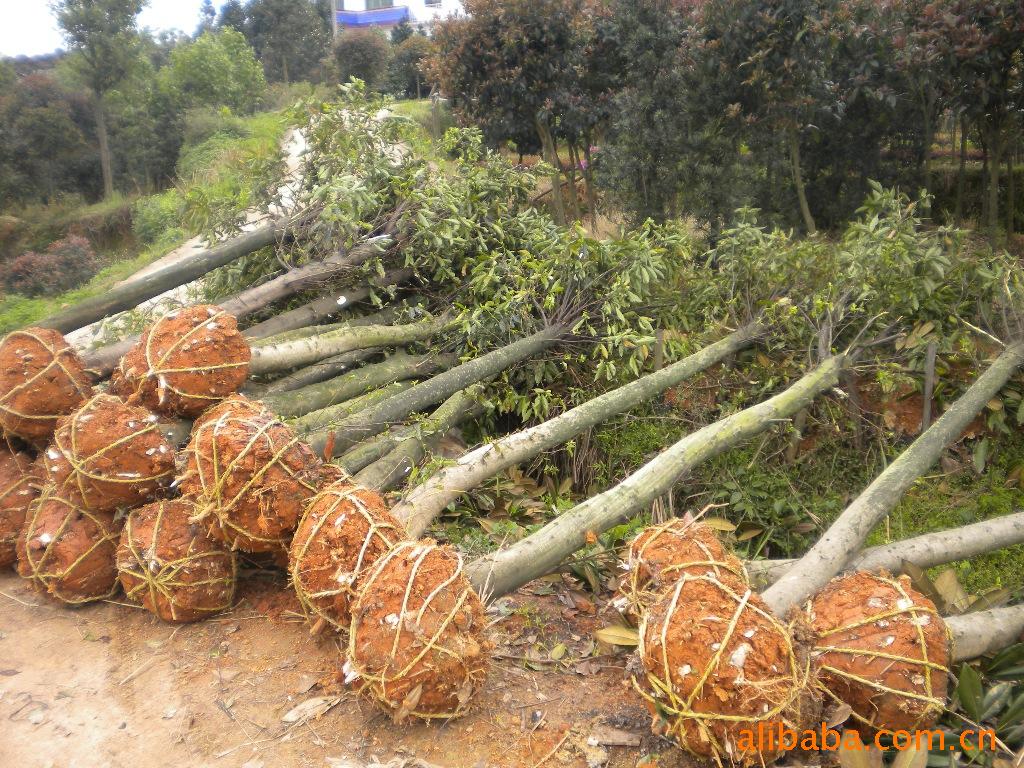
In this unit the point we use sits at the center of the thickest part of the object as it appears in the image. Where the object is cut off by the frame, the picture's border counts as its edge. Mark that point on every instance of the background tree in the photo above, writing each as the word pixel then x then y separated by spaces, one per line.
pixel 289 37
pixel 362 53
pixel 102 34
pixel 401 32
pixel 405 73
pixel 232 14
pixel 217 69
pixel 207 17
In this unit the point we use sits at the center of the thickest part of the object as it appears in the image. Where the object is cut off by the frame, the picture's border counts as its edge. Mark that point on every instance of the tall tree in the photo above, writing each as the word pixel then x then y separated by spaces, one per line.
pixel 289 36
pixel 104 36
pixel 232 15
pixel 207 17
pixel 362 53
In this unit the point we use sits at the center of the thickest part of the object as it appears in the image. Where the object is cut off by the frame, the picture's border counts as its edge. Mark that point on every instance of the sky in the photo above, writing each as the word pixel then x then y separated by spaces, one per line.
pixel 28 28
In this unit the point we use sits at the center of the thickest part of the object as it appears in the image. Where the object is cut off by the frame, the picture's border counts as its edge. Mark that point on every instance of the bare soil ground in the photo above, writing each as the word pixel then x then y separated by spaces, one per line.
pixel 110 685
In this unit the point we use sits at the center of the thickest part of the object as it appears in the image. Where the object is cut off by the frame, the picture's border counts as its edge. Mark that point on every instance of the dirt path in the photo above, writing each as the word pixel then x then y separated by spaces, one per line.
pixel 109 685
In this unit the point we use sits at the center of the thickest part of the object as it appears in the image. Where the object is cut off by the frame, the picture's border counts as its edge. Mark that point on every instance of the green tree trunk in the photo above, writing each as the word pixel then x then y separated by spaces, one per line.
pixel 798 181
pixel 103 135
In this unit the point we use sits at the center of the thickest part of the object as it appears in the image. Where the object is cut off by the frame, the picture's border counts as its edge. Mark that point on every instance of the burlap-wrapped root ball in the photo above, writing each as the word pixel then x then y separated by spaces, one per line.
pixel 717 664
pixel 185 362
pixel 882 648
pixel 167 562
pixel 661 554
pixel 108 455
pixel 249 476
pixel 417 637
pixel 68 552
pixel 345 530
pixel 19 487
pixel 41 379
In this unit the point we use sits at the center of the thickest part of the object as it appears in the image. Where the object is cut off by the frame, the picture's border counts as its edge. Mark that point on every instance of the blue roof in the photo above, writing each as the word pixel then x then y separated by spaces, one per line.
pixel 369 18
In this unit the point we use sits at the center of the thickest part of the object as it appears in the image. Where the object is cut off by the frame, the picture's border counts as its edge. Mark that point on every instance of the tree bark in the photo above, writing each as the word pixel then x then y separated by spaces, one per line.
pixel 385 317
pixel 392 469
pixel 1011 194
pixel 375 420
pixel 129 295
pixel 995 148
pixel 295 354
pixel 338 390
pixel 297 280
pixel 324 307
pixel 318 420
pixel 983 632
pixel 425 502
pixel 925 551
pixel 961 177
pixel 103 135
pixel 844 538
pixel 798 181
pixel 322 371
pixel 542 551
pixel 550 152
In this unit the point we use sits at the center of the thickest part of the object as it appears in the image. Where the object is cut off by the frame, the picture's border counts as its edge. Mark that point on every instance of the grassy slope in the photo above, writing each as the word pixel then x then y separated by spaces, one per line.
pixel 215 171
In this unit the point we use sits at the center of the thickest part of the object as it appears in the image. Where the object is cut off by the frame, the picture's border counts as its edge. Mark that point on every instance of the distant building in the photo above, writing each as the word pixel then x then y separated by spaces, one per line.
pixel 387 13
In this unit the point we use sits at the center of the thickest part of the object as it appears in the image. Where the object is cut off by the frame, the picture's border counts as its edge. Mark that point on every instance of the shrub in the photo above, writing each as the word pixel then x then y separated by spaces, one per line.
pixel 64 264
pixel 362 54
pixel 157 215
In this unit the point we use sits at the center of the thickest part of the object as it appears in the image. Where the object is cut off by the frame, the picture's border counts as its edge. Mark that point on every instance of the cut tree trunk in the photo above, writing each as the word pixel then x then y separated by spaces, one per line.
pixel 130 295
pixel 846 535
pixel 375 420
pixel 386 316
pixel 925 551
pixel 543 551
pixel 338 390
pixel 322 371
pixel 295 354
pixel 423 503
pixel 983 632
pixel 324 307
pixel 392 469
pixel 300 279
pixel 318 420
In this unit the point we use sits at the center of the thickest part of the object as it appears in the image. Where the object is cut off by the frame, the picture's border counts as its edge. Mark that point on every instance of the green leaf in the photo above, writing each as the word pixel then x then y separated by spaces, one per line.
pixel 968 692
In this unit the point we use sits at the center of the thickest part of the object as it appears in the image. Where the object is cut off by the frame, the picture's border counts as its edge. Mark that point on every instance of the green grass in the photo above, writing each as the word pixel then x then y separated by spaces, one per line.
pixel 221 173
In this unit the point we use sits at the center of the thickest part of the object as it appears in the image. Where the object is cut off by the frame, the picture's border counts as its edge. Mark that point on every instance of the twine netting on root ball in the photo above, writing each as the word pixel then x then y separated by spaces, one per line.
pixel 881 648
pixel 417 637
pixel 345 530
pixel 68 552
pixel 108 455
pixel 185 362
pixel 168 563
pixel 41 379
pixel 661 554
pixel 718 665
pixel 19 487
pixel 249 476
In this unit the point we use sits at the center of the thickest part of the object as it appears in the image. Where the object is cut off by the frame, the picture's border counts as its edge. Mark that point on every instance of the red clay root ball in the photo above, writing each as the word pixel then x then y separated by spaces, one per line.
pixel 882 648
pixel 19 487
pixel 41 379
pixel 345 530
pixel 717 664
pixel 68 552
pixel 108 455
pixel 661 554
pixel 185 362
pixel 249 476
pixel 168 563
pixel 417 636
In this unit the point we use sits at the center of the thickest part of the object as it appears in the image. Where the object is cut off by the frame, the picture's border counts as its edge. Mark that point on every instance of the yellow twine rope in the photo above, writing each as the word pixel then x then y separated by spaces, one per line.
pixel 682 708
pixel 379 682
pixel 51 582
pixel 167 579
pixel 155 362
pixel 24 479
pixel 933 704
pixel 8 397
pixel 376 527
pixel 212 499
pixel 80 471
